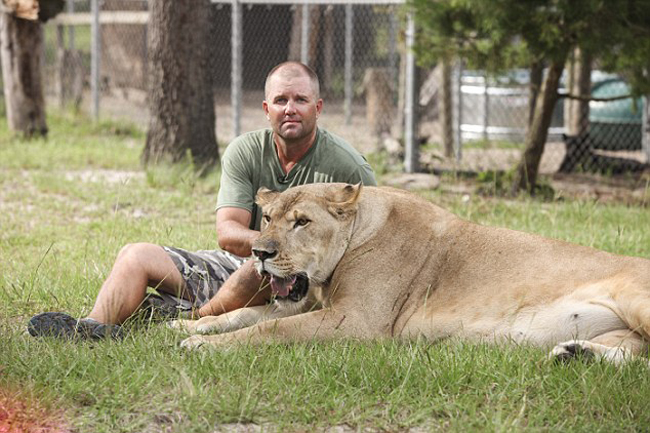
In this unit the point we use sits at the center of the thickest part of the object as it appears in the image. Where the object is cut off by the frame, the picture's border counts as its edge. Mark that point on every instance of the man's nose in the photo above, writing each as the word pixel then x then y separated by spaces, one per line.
pixel 290 108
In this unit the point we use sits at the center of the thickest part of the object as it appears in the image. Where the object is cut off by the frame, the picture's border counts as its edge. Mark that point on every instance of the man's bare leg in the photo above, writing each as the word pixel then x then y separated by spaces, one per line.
pixel 244 288
pixel 136 267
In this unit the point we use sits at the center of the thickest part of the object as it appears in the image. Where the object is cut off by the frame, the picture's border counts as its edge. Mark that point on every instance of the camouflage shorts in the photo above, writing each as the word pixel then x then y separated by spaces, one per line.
pixel 204 273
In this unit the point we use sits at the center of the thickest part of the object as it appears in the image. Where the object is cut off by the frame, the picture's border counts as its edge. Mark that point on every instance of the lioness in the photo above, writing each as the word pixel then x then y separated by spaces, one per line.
pixel 386 263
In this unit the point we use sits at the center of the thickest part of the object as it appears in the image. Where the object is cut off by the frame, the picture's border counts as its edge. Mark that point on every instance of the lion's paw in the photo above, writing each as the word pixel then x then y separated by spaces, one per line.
pixel 570 350
pixel 183 325
pixel 211 325
pixel 194 342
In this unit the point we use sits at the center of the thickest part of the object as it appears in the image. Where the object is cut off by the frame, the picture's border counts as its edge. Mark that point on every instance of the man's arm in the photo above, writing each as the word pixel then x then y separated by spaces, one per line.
pixel 233 232
pixel 245 287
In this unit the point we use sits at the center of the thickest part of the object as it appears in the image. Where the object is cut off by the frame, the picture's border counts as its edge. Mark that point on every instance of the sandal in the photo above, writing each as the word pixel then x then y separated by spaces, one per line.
pixel 62 325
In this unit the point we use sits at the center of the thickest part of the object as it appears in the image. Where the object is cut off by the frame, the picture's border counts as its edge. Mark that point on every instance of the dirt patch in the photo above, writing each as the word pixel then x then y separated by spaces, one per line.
pixel 633 190
pixel 105 176
pixel 19 414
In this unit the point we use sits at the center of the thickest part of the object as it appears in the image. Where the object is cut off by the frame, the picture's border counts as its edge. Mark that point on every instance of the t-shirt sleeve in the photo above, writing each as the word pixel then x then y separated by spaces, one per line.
pixel 236 186
pixel 365 175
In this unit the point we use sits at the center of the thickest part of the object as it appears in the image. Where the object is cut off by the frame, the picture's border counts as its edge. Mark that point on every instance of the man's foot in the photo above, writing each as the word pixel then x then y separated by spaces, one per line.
pixel 63 325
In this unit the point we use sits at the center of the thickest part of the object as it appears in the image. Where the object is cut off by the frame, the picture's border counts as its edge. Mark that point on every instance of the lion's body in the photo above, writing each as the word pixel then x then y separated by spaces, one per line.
pixel 386 263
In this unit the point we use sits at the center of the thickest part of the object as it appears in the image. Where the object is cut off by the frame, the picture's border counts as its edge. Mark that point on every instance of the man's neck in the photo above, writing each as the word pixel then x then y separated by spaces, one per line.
pixel 290 152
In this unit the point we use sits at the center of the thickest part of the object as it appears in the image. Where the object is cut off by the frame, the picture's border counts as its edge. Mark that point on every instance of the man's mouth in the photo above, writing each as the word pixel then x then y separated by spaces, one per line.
pixel 293 287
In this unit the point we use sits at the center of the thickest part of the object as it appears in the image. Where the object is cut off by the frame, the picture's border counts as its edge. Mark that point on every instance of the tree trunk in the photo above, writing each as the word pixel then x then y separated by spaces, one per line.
pixel 328 50
pixel 21 48
pixel 528 167
pixel 579 109
pixel 294 40
pixel 578 146
pixel 314 34
pixel 536 73
pixel 182 117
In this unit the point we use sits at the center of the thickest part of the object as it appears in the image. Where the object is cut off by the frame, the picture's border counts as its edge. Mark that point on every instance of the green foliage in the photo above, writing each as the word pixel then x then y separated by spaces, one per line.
pixel 381 163
pixel 497 183
pixel 492 182
pixel 491 144
pixel 501 34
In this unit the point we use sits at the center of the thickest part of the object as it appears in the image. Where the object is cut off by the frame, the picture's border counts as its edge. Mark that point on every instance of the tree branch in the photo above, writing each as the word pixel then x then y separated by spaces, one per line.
pixel 589 98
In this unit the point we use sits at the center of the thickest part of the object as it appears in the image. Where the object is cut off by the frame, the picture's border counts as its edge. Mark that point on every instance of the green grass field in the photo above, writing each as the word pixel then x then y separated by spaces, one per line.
pixel 67 205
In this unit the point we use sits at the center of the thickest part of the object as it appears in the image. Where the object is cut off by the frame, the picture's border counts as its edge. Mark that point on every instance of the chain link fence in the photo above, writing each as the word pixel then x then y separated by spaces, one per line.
pixel 491 115
pixel 359 52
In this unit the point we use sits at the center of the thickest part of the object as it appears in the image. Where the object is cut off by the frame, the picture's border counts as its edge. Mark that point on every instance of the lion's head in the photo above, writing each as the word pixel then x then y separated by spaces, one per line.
pixel 305 232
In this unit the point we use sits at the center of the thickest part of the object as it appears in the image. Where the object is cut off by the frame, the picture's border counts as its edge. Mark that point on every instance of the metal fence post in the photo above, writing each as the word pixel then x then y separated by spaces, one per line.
pixel 645 125
pixel 458 136
pixel 393 55
pixel 236 66
pixel 304 35
pixel 95 58
pixel 411 151
pixel 347 103
pixel 70 9
pixel 486 109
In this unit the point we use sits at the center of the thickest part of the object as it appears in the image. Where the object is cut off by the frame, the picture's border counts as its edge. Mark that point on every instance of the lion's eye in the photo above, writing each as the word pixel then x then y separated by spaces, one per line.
pixel 301 222
pixel 266 218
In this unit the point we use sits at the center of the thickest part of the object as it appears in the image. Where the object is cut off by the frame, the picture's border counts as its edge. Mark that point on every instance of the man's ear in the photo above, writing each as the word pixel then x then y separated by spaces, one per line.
pixel 265 106
pixel 342 202
pixel 265 196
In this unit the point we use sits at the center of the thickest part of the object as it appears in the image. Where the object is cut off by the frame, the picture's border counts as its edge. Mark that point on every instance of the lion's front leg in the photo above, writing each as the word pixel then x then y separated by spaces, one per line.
pixel 227 322
pixel 233 320
pixel 321 325
pixel 216 324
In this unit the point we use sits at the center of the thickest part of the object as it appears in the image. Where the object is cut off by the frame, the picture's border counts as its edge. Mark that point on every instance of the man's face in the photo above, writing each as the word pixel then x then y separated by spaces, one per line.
pixel 291 106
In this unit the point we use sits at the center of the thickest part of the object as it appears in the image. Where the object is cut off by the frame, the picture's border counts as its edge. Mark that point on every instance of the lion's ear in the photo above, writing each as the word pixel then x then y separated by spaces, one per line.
pixel 265 196
pixel 342 202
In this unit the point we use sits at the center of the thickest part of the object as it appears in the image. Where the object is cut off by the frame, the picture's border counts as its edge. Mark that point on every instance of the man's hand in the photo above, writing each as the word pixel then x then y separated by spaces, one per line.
pixel 244 288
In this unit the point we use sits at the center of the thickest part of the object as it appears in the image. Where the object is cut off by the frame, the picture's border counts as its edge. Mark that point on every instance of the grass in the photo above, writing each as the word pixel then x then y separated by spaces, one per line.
pixel 67 205
pixel 476 144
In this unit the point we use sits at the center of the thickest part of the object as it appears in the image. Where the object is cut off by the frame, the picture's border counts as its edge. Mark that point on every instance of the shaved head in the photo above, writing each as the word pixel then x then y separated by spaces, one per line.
pixel 289 70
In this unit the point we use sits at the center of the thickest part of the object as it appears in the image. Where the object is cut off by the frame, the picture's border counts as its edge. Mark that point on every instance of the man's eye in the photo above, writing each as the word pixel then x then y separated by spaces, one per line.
pixel 301 222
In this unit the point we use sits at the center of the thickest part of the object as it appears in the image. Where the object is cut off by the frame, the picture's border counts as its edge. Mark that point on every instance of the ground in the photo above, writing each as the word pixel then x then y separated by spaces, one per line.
pixel 131 105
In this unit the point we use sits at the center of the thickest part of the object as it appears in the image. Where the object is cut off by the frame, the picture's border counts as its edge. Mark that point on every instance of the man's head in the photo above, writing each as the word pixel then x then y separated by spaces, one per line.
pixel 292 102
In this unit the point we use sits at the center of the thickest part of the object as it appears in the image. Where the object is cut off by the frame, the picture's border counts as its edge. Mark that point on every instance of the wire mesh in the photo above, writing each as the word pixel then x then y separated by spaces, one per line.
pixel 470 121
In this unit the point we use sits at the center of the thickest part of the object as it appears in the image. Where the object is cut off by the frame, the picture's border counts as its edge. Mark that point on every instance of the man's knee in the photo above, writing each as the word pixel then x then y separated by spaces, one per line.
pixel 133 250
pixel 138 254
pixel 149 261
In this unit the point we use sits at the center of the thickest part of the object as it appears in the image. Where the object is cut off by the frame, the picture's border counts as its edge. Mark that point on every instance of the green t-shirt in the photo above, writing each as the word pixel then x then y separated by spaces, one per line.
pixel 251 162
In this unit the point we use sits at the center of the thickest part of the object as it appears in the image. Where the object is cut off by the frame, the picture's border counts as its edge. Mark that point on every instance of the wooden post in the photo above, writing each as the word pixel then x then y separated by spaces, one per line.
pixel 379 101
pixel 60 73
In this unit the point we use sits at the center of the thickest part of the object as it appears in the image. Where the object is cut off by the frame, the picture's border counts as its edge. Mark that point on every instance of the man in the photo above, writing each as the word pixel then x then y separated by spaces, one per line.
pixel 294 151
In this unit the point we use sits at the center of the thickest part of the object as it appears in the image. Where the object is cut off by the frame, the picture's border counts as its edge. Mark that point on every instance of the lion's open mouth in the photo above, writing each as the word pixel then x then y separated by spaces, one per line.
pixel 293 287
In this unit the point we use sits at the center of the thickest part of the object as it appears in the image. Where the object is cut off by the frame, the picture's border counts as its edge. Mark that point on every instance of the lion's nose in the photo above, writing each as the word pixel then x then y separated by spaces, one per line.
pixel 264 253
